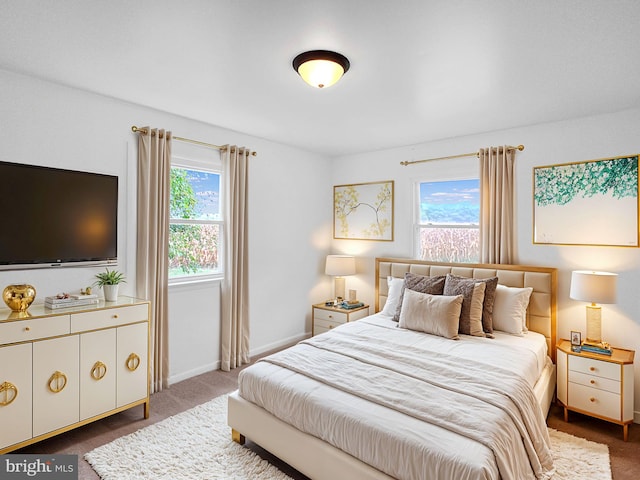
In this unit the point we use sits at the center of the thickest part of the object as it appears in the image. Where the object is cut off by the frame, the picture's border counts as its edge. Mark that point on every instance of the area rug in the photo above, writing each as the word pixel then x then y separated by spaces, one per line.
pixel 196 444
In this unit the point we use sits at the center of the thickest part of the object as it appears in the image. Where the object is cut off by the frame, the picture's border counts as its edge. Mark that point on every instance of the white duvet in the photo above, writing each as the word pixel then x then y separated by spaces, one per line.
pixel 412 405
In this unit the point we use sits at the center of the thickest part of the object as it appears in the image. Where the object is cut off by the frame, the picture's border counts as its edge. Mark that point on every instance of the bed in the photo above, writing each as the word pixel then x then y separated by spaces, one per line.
pixel 410 404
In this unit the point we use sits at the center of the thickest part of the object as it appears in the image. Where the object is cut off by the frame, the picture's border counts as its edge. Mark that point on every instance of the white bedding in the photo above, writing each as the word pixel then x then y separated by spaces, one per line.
pixel 396 443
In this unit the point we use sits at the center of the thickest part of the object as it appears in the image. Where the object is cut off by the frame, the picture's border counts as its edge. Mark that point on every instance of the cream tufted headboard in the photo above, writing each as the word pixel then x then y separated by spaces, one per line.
pixel 541 314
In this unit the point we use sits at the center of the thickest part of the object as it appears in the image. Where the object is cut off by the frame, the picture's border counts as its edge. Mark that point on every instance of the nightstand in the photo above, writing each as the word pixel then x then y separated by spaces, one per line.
pixel 325 318
pixel 597 385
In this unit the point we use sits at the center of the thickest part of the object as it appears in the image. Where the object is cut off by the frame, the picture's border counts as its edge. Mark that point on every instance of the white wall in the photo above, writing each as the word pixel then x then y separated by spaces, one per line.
pixel 583 139
pixel 289 212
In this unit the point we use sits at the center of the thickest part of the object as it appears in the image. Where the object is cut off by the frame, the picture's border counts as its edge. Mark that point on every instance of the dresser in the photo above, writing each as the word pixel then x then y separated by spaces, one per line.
pixel 60 369
pixel 324 317
pixel 597 385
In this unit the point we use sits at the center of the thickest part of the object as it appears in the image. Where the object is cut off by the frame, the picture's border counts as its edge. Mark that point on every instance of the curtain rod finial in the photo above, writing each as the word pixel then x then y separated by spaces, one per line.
pixel 520 147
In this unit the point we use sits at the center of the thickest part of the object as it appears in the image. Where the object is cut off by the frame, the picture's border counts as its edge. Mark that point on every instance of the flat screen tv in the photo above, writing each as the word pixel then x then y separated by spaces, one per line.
pixel 55 218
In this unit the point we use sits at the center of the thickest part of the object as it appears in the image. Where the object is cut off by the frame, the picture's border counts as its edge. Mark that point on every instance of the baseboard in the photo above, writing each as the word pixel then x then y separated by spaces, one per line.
pixel 636 417
pixel 196 371
pixel 279 344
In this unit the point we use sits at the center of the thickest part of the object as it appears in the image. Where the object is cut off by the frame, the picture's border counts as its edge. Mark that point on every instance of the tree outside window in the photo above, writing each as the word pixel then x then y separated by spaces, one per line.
pixel 195 225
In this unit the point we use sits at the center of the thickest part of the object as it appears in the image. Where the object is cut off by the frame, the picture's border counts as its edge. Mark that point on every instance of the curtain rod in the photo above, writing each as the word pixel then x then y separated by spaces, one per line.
pixel 472 154
pixel 187 140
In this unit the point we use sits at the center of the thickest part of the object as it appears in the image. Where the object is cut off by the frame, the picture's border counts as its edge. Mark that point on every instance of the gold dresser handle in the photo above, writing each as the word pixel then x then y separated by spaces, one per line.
pixel 8 393
pixel 98 371
pixel 57 382
pixel 133 362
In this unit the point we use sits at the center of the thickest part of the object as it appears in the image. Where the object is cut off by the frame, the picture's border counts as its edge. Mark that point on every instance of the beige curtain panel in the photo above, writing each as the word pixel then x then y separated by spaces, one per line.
pixel 497 225
pixel 152 265
pixel 234 349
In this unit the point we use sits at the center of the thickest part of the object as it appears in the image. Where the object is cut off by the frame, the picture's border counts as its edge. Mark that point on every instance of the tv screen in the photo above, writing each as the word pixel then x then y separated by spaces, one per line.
pixel 53 217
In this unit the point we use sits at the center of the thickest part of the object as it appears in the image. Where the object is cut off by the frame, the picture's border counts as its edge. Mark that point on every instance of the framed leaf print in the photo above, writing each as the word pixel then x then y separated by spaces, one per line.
pixel 593 202
pixel 363 211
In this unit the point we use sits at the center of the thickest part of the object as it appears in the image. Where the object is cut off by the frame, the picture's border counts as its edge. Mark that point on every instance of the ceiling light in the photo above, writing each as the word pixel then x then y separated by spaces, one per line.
pixel 321 68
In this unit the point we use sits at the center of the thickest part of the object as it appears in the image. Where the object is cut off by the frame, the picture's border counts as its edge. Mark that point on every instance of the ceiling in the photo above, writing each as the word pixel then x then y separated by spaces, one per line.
pixel 421 70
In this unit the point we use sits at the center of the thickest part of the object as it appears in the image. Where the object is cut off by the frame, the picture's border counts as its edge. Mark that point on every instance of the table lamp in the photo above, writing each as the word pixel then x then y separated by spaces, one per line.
pixel 594 287
pixel 339 266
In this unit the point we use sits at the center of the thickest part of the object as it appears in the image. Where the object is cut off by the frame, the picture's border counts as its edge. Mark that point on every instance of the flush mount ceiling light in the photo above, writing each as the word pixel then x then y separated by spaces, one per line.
pixel 321 68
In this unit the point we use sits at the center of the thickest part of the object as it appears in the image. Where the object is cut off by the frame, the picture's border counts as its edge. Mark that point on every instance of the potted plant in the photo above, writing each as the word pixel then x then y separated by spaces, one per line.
pixel 109 281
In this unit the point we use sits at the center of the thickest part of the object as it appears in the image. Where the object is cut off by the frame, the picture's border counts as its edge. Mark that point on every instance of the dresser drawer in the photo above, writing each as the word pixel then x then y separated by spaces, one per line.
pixel 601 383
pixel 594 401
pixel 28 330
pixel 590 366
pixel 336 317
pixel 85 321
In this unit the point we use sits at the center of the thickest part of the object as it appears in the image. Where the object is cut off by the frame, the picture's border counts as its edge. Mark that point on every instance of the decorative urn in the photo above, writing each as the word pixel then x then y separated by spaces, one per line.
pixel 19 297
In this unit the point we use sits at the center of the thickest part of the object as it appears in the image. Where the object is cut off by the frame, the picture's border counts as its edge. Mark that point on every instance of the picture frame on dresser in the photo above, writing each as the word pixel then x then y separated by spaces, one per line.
pixel 576 340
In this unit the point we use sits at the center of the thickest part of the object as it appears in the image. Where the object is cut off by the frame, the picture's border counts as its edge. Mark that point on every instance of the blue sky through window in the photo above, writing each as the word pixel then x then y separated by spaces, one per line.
pixel 453 202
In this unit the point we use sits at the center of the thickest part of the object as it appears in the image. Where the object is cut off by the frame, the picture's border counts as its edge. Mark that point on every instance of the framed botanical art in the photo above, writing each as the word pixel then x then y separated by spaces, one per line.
pixel 593 202
pixel 363 211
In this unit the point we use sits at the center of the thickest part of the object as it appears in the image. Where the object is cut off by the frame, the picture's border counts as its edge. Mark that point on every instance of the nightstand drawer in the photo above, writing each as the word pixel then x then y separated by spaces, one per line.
pixel 326 324
pixel 601 383
pixel 594 401
pixel 330 316
pixel 600 368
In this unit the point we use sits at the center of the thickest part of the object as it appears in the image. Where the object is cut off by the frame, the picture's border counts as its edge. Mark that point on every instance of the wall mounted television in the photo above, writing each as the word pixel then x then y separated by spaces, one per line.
pixel 56 218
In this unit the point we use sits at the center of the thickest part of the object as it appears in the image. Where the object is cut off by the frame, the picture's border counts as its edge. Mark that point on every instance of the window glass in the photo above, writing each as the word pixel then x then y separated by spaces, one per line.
pixel 195 225
pixel 449 221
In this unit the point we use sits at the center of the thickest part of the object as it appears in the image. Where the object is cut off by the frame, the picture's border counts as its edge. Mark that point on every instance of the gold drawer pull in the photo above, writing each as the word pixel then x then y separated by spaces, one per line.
pixel 592 399
pixel 57 382
pixel 115 315
pixel 8 392
pixel 98 371
pixel 27 329
pixel 330 327
pixel 133 362
pixel 330 316
pixel 593 382
pixel 593 369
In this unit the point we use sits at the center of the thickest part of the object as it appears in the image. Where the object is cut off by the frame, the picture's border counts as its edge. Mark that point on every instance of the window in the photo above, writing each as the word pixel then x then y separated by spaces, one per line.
pixel 196 224
pixel 448 221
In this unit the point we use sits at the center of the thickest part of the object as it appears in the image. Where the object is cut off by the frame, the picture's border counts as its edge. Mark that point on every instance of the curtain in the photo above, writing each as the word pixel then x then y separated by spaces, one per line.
pixel 234 349
pixel 496 205
pixel 154 167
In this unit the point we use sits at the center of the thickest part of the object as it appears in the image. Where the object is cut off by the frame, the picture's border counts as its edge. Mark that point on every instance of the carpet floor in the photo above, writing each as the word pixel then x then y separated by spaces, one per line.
pixel 202 388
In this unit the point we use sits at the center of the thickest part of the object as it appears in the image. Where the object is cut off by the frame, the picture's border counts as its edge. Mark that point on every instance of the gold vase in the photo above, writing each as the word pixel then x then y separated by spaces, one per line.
pixel 19 297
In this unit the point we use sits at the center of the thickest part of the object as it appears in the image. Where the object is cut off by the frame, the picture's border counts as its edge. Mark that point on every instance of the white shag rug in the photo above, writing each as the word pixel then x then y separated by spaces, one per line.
pixel 196 444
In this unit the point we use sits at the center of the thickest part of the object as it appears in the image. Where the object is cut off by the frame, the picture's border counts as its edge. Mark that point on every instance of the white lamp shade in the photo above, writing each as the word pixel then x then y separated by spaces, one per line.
pixel 340 265
pixel 594 287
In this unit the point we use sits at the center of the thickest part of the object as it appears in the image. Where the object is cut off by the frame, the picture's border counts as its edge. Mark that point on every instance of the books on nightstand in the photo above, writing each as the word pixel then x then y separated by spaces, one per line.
pixel 601 348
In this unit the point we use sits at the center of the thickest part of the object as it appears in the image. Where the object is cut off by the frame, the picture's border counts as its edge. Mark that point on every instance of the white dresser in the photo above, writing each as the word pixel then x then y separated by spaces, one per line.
pixel 60 369
pixel 597 385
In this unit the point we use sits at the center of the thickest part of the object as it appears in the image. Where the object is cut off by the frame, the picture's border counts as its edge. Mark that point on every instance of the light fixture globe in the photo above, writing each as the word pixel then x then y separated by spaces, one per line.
pixel 321 68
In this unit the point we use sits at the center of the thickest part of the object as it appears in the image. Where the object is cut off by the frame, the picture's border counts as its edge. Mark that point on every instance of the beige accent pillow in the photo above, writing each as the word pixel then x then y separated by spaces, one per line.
pixel 473 298
pixel 434 314
pixel 422 284
pixel 510 309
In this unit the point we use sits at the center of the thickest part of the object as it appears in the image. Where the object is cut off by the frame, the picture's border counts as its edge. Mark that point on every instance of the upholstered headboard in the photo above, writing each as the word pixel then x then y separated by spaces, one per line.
pixel 541 314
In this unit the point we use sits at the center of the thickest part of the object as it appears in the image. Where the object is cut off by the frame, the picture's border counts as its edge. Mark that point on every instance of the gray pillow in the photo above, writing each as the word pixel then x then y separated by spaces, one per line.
pixel 472 292
pixel 422 284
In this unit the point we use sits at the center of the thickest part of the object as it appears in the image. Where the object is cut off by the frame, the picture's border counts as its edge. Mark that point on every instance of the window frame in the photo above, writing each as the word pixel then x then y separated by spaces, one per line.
pixel 418 226
pixel 208 166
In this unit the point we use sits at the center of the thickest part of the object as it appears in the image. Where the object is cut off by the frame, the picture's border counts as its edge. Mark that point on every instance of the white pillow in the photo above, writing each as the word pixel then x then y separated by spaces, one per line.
pixel 510 309
pixel 434 314
pixel 395 287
